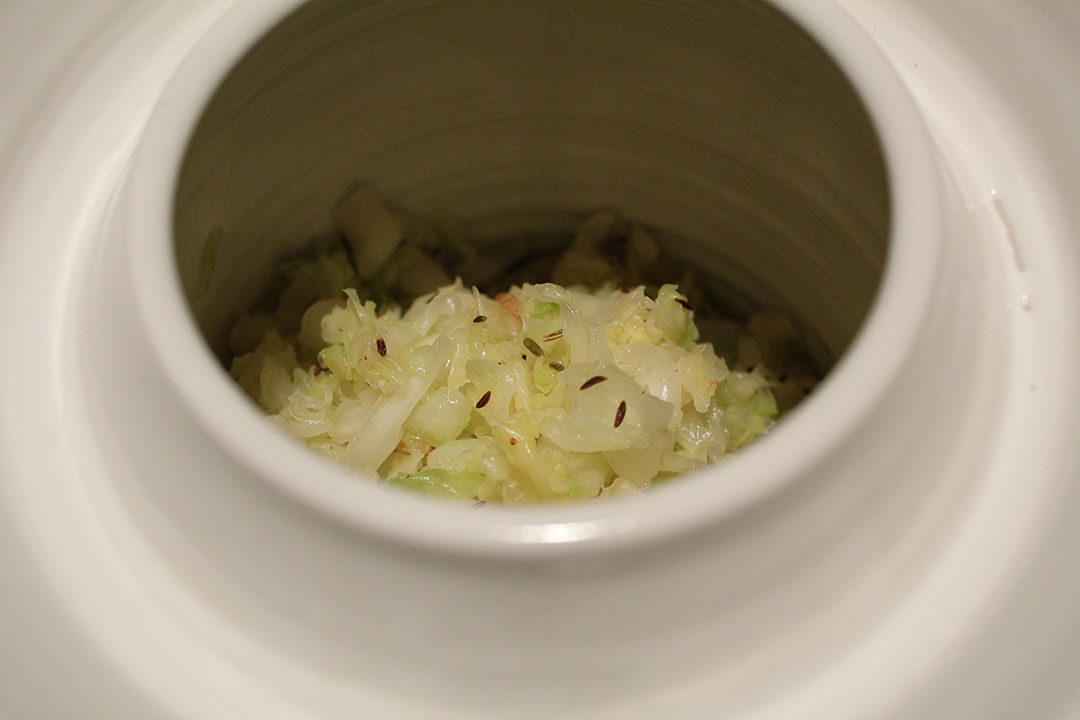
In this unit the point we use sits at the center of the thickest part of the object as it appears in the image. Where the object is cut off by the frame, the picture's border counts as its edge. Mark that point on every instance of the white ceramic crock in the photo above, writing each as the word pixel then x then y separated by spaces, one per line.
pixel 690 117
pixel 698 120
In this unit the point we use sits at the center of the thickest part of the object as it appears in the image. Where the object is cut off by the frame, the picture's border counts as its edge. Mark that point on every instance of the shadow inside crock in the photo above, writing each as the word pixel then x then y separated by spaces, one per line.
pixel 723 127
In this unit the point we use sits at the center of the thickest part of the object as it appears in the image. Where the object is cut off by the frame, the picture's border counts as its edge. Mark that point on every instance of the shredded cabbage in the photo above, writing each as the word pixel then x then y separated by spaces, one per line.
pixel 544 392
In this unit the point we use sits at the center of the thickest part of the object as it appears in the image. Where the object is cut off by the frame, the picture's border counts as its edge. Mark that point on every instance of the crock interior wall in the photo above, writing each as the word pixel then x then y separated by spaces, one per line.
pixel 721 125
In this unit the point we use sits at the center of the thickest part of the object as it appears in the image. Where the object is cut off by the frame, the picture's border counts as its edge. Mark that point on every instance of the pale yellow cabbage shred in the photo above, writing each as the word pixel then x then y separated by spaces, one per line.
pixel 497 399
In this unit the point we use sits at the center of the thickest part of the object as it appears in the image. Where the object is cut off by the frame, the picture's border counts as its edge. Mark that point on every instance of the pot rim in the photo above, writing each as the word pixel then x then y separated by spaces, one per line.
pixel 819 427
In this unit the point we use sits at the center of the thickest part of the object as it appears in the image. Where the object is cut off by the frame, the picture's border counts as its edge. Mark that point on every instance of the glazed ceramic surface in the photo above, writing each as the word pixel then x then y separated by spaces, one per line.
pixel 901 547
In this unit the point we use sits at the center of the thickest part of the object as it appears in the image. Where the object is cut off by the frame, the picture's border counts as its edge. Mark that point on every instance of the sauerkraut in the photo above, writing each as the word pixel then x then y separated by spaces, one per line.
pixel 546 391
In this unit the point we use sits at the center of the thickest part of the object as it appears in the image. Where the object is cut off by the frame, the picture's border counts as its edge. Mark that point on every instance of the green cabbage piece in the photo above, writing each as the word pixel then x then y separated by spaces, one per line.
pixel 439 481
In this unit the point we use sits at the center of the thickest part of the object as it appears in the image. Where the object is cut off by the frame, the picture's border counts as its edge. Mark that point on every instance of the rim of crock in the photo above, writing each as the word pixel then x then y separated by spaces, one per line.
pixel 859 380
